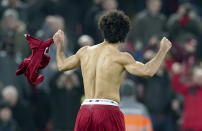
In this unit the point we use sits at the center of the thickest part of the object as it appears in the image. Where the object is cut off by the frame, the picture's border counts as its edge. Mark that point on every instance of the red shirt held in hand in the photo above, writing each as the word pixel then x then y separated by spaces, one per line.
pixel 37 60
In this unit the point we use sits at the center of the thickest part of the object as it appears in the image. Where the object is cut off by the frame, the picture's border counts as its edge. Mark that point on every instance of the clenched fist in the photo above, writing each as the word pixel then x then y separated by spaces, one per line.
pixel 58 39
pixel 165 44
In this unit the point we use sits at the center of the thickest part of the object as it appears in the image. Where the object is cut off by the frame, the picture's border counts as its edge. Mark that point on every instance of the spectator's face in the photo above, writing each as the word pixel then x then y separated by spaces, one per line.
pixel 110 5
pixel 13 3
pixel 12 99
pixel 149 54
pixel 71 80
pixel 154 6
pixel 85 40
pixel 5 114
pixel 97 2
pixel 68 80
pixel 183 7
pixel 10 23
pixel 197 76
pixel 55 23
pixel 10 96
pixel 190 47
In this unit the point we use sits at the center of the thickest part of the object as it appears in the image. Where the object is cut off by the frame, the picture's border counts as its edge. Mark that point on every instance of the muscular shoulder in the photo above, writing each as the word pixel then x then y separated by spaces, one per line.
pixel 125 57
pixel 82 50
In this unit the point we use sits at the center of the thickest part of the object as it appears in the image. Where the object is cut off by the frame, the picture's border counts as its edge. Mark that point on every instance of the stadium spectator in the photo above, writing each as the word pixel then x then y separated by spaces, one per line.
pixel 17 5
pixel 186 56
pixel 65 100
pixel 7 123
pixel 191 89
pixel 135 113
pixel 21 110
pixel 184 26
pixel 7 77
pixel 158 96
pixel 50 26
pixel 12 32
pixel 90 17
pixel 147 24
pixel 85 40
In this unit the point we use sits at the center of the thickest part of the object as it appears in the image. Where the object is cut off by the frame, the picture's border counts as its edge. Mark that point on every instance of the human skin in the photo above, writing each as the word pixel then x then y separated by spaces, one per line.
pixel 102 66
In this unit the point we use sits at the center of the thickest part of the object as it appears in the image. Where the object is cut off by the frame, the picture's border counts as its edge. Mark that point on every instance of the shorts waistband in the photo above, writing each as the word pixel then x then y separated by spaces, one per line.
pixel 99 102
pixel 95 107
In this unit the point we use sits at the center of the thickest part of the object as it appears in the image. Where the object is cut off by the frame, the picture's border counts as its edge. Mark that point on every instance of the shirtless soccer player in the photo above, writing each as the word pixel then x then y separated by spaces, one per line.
pixel 102 67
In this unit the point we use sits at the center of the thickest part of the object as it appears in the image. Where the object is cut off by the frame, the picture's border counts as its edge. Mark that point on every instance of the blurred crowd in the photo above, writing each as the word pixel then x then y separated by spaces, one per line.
pixel 169 101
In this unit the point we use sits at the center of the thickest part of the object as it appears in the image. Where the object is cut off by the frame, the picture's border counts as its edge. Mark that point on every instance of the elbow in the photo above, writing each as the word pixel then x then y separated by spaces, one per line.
pixel 149 74
pixel 60 68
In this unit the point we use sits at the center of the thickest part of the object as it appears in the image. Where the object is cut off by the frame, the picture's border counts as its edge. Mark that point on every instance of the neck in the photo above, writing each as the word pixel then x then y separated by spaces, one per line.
pixel 116 45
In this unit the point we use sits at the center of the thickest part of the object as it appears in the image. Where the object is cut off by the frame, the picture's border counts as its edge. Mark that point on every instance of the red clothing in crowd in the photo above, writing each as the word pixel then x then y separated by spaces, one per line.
pixel 187 63
pixel 192 115
pixel 37 60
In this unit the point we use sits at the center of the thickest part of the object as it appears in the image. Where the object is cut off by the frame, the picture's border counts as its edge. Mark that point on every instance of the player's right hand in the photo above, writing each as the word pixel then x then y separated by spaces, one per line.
pixel 58 39
pixel 165 44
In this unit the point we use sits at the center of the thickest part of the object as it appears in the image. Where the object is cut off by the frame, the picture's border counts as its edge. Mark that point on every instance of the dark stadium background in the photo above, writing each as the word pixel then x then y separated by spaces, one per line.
pixel 53 104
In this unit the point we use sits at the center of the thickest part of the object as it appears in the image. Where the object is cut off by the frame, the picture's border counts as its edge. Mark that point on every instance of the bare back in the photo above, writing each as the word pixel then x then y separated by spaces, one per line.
pixel 101 71
pixel 103 64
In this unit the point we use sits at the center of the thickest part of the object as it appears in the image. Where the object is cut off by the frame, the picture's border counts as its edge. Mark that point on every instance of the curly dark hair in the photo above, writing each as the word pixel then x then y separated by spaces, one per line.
pixel 114 26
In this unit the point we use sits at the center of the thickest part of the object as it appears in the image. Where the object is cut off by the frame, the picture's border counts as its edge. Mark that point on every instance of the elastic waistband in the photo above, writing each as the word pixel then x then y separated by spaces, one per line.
pixel 99 102
pixel 95 107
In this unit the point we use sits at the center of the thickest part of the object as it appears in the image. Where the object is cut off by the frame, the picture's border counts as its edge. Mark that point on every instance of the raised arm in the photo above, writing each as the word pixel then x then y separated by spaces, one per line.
pixel 64 63
pixel 151 67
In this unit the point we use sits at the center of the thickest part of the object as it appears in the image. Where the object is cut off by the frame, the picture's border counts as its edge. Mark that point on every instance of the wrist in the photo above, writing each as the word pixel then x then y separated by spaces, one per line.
pixel 164 50
pixel 59 48
pixel 58 44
